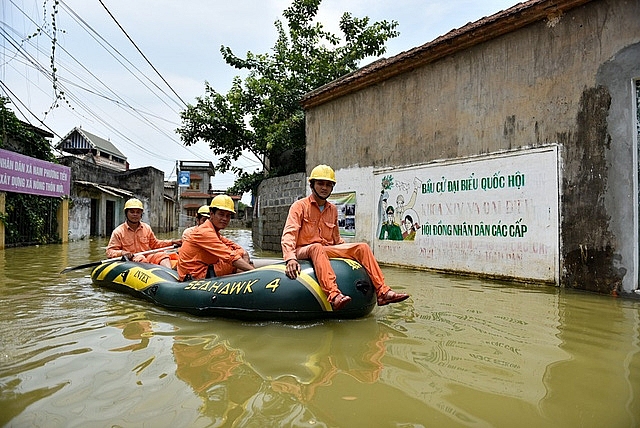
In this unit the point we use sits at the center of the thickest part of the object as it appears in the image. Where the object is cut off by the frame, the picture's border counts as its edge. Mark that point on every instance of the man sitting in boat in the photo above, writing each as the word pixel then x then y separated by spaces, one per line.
pixel 206 253
pixel 311 232
pixel 201 216
pixel 135 236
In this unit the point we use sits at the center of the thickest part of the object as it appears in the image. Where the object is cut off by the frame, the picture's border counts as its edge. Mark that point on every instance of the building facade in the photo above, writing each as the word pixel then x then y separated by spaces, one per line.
pixel 101 183
pixel 194 190
pixel 93 149
pixel 506 148
pixel 98 195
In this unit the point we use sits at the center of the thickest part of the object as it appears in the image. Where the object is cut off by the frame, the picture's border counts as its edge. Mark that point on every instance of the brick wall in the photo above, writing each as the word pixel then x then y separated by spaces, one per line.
pixel 275 196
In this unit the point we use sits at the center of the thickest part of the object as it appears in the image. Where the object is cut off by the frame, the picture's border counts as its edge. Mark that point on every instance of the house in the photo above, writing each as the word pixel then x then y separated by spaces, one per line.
pixel 92 148
pixel 101 182
pixel 511 143
pixel 195 189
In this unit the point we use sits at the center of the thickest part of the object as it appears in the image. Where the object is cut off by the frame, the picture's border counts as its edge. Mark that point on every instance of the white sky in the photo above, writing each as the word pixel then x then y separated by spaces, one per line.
pixel 114 93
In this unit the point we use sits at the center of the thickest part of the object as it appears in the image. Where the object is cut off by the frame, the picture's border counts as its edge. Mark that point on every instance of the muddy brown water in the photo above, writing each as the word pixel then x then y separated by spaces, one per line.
pixel 460 352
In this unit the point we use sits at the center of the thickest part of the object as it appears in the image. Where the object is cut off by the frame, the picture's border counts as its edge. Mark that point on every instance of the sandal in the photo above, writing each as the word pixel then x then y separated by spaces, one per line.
pixel 391 297
pixel 340 301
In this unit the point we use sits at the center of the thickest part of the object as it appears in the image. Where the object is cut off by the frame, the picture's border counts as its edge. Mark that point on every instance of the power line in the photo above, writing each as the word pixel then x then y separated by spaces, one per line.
pixel 95 34
pixel 61 83
pixel 85 26
pixel 143 55
pixel 77 100
pixel 13 98
pixel 76 85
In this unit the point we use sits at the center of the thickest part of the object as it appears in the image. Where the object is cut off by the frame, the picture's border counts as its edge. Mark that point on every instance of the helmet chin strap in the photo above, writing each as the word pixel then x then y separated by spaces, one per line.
pixel 313 190
pixel 318 196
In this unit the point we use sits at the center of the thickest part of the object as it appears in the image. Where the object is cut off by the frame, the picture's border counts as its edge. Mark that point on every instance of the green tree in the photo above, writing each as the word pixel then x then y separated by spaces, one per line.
pixel 20 137
pixel 262 114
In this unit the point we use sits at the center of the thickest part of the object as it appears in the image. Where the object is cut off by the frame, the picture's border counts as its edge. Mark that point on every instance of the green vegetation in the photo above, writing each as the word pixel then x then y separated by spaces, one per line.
pixel 28 219
pixel 262 114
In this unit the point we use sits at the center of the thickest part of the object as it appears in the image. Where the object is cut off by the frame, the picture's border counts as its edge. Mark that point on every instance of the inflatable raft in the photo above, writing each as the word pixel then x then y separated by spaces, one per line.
pixel 263 294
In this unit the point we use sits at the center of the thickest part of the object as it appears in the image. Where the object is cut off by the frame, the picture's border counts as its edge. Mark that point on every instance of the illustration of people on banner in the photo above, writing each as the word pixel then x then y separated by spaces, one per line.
pixel 401 222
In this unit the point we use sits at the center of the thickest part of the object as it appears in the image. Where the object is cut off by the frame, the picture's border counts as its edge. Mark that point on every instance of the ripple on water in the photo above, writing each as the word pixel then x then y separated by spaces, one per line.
pixel 459 352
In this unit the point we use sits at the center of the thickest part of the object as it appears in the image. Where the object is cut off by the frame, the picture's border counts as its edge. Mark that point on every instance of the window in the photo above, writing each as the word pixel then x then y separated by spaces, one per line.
pixel 194 185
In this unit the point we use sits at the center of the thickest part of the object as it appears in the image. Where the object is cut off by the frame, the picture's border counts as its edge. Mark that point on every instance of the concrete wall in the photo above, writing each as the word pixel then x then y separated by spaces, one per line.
pixel 146 183
pixel 275 196
pixel 564 81
pixel 79 213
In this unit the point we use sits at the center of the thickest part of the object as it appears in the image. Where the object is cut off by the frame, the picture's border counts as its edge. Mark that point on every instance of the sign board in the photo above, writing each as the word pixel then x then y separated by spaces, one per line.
pixel 24 174
pixel 346 205
pixel 495 215
pixel 184 179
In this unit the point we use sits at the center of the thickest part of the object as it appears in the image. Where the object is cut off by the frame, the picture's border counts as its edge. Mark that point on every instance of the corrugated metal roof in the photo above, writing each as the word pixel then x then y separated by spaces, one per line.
pixel 114 191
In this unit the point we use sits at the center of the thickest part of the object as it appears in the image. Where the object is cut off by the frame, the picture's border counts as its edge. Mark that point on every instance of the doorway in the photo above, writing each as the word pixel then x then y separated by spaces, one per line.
pixel 93 228
pixel 110 218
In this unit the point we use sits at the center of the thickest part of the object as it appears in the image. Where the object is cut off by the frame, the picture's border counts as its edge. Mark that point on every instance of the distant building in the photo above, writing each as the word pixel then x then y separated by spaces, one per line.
pixel 195 190
pixel 101 182
pixel 92 148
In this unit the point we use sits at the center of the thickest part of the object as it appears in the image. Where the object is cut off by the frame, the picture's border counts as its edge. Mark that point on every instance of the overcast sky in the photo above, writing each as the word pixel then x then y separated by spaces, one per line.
pixel 111 89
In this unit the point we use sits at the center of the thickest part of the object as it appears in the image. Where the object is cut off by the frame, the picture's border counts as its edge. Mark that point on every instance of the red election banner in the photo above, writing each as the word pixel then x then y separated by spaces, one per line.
pixel 23 174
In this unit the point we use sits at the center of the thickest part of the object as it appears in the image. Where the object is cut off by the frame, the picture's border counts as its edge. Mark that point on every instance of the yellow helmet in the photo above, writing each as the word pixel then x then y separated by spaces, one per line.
pixel 204 211
pixel 133 203
pixel 323 172
pixel 223 202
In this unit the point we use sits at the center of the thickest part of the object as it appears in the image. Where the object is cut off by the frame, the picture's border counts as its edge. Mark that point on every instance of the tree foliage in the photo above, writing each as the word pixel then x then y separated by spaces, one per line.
pixel 20 137
pixel 262 115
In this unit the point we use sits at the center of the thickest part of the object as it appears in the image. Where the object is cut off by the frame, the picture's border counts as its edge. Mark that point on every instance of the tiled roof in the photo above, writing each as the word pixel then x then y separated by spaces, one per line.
pixel 456 40
pixel 97 142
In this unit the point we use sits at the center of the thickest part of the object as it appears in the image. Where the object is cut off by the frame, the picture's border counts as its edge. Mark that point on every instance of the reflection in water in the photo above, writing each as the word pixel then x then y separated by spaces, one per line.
pixel 135 328
pixel 460 352
pixel 280 368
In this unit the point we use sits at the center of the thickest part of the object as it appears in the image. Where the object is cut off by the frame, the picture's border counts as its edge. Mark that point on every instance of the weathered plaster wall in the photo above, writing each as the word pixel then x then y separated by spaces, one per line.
pixel 79 212
pixel 146 183
pixel 563 81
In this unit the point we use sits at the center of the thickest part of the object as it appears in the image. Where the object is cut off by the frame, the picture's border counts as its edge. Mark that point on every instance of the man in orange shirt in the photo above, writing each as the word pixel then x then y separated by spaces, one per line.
pixel 201 217
pixel 134 236
pixel 205 248
pixel 311 232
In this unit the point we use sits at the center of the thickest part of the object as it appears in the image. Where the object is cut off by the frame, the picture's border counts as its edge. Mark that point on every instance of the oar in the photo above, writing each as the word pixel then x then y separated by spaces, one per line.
pixel 115 259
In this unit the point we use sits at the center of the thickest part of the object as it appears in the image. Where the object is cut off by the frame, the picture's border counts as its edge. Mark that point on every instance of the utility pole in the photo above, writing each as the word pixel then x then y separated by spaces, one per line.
pixel 178 204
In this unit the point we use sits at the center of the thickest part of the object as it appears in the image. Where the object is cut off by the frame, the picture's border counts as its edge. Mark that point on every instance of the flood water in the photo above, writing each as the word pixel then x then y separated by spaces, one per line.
pixel 460 352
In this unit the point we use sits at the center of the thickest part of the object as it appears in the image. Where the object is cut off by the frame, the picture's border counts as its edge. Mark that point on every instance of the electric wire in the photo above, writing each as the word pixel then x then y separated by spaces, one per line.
pixel 33 62
pixel 70 87
pixel 95 34
pixel 143 55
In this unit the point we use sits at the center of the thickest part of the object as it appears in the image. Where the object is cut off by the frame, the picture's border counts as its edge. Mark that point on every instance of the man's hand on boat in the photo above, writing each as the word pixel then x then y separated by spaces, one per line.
pixel 244 263
pixel 139 257
pixel 293 268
